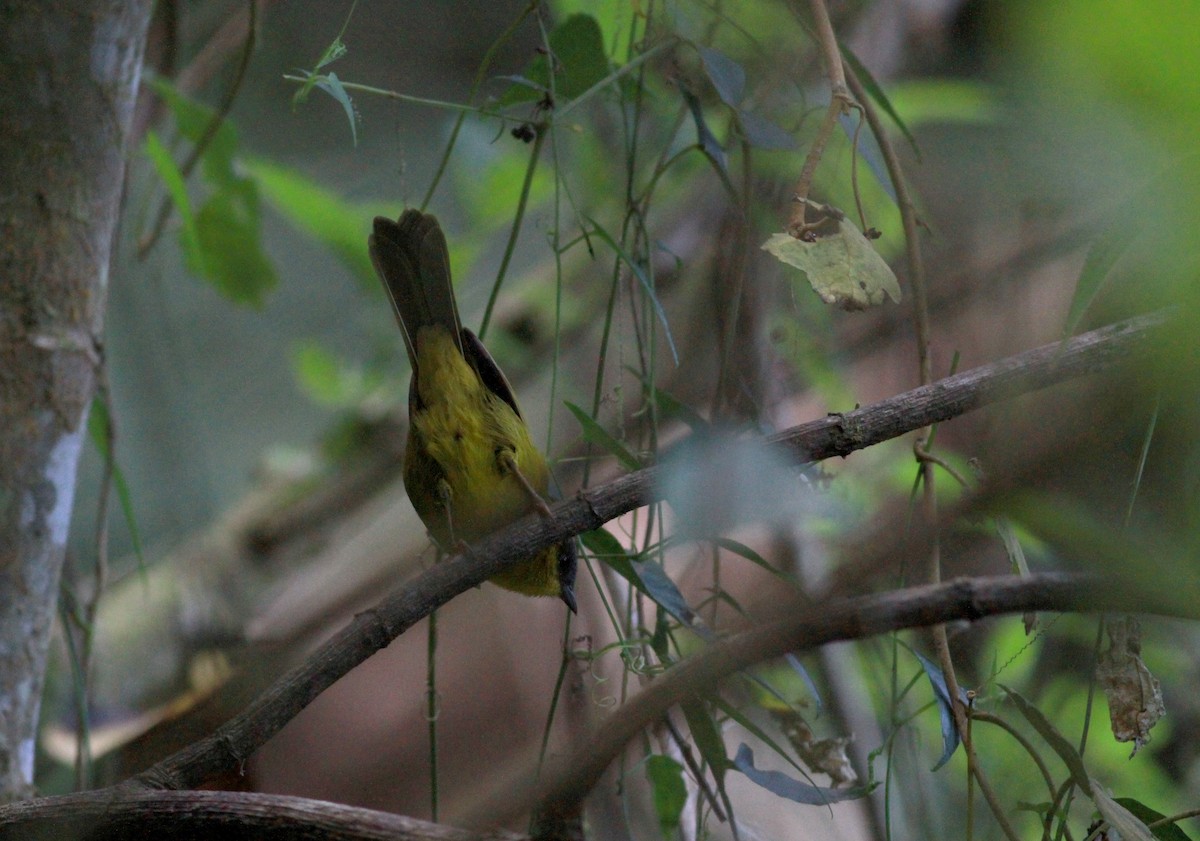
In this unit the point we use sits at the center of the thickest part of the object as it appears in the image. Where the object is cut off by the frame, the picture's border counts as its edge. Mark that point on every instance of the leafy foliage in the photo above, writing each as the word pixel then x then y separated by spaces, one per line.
pixel 633 129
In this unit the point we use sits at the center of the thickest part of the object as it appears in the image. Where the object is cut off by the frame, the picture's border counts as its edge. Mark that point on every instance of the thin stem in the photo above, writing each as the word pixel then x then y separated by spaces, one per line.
pixel 970 789
pixel 480 76
pixel 836 108
pixel 839 103
pixel 91 606
pixel 431 711
pixel 916 272
pixel 554 697
pixel 827 41
pixel 980 715
pixel 909 221
pixel 514 232
pixel 1190 813
pixel 623 70
pixel 923 455
pixel 416 100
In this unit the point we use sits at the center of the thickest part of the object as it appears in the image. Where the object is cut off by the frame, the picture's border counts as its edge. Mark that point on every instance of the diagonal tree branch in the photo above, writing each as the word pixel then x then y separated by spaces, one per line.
pixel 102 815
pixel 839 434
pixel 124 811
pixel 834 621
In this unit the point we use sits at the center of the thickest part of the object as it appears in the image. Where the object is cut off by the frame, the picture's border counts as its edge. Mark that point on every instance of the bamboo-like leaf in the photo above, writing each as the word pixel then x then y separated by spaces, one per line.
pixel 1163 832
pixel 707 737
pixel 941 694
pixel 784 786
pixel 1119 818
pixel 173 181
pixel 704 136
pixel 1056 740
pixel 668 790
pixel 875 91
pixel 601 437
pixel 726 75
pixel 640 273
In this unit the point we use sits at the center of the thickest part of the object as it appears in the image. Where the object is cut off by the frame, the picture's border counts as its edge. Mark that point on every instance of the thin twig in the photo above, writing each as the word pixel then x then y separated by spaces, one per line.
pixel 923 454
pixel 916 277
pixel 91 605
pixel 908 219
pixel 980 715
pixel 697 772
pixel 840 102
pixel 1190 813
pixel 480 76
pixel 518 219
pixel 432 709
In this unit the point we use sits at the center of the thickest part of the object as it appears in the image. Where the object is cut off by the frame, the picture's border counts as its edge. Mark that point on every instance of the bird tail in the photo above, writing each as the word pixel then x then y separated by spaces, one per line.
pixel 411 259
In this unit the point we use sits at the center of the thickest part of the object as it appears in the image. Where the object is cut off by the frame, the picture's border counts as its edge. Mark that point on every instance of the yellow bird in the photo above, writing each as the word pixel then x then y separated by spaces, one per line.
pixel 470 466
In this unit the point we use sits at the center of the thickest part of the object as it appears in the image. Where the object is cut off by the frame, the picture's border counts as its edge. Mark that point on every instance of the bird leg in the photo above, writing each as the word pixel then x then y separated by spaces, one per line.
pixel 508 463
pixel 445 495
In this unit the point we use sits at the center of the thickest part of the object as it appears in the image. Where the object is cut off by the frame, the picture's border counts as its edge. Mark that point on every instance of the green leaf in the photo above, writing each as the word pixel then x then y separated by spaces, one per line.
pixel 193 120
pixel 757 732
pixel 647 577
pixel 726 75
pixel 761 133
pixel 232 257
pixel 640 273
pixel 339 225
pixel 868 149
pixel 749 554
pixel 579 63
pixel 336 49
pixel 669 406
pixel 1012 545
pixel 1164 832
pixel 876 93
pixel 598 435
pixel 329 380
pixel 707 737
pixel 670 793
pixel 609 550
pixel 659 587
pixel 840 264
pixel 172 179
pixel 1056 740
pixel 578 45
pixel 704 136
pixel 1105 251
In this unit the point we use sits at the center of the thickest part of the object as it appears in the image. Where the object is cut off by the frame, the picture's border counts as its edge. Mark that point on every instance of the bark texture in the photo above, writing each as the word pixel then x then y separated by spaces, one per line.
pixel 70 71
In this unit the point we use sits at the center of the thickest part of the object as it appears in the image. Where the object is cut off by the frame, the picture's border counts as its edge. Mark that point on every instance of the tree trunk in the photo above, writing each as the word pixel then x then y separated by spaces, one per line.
pixel 70 72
